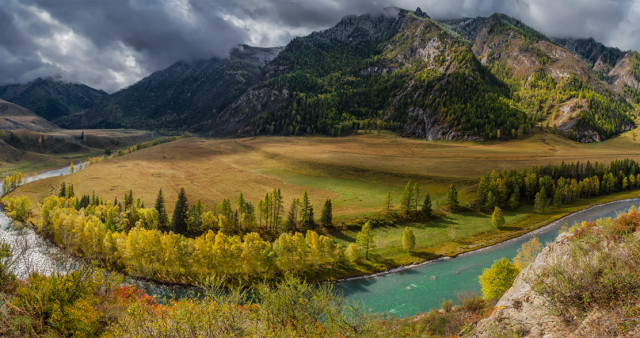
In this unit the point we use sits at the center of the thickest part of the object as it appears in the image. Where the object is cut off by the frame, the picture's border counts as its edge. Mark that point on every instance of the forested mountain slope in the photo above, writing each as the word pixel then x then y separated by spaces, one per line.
pixel 548 81
pixel 480 78
pixel 400 71
pixel 52 99
pixel 182 95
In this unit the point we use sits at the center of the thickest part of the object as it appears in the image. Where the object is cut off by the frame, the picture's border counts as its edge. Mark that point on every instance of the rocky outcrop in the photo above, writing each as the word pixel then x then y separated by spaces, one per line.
pixel 424 123
pixel 524 312
pixel 621 74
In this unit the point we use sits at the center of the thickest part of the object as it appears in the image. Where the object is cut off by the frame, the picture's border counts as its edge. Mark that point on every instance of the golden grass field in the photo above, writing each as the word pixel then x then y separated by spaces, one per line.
pixel 355 171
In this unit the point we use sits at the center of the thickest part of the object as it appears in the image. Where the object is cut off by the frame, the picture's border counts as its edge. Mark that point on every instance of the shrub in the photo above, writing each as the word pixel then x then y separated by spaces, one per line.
pixel 498 279
pixel 446 305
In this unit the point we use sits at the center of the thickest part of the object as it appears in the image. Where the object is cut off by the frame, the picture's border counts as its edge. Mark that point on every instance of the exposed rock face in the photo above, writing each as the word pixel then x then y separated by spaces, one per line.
pixel 522 310
pixel 424 123
pixel 621 74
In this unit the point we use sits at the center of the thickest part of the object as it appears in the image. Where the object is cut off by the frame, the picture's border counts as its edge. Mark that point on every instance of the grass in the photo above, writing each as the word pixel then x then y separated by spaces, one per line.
pixel 39 151
pixel 355 172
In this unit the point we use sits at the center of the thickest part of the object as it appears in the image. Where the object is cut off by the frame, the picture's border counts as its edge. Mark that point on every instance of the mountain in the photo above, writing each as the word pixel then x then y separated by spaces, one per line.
pixel 13 117
pixel 555 86
pixel 473 79
pixel 399 70
pixel 182 95
pixel 52 99
pixel 599 56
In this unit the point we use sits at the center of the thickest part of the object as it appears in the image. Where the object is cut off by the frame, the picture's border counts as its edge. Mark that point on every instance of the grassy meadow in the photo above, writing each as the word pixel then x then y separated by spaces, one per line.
pixel 355 172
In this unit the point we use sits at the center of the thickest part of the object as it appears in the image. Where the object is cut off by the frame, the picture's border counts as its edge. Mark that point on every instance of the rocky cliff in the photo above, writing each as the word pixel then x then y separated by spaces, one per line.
pixel 523 310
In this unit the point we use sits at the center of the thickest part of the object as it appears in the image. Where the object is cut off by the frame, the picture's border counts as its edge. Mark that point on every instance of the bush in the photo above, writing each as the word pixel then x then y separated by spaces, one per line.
pixel 446 305
pixel 498 279
pixel 19 208
pixel 596 273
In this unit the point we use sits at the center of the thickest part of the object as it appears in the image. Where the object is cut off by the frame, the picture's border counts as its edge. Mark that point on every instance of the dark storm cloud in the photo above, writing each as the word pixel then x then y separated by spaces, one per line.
pixel 113 43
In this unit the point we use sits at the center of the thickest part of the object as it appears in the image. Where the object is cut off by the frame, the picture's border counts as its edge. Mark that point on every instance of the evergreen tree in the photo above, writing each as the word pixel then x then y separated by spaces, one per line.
pixel 539 203
pixel 180 214
pixel 63 190
pixel 163 218
pixel 490 202
pixel 408 239
pixel 70 192
pixel 514 200
pixel 327 214
pixel 305 211
pixel 387 201
pixel 416 196
pixel 311 221
pixel 405 200
pixel 427 209
pixel 194 219
pixel 240 203
pixel 452 198
pixel 483 190
pixel 128 200
pixel 292 217
pixel 497 218
pixel 364 238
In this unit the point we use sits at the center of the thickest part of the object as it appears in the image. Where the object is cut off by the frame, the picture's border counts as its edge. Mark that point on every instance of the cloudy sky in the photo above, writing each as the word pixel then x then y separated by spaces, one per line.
pixel 110 44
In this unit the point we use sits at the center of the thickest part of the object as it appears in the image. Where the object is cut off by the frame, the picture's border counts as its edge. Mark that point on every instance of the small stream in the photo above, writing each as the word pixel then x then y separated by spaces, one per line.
pixel 403 293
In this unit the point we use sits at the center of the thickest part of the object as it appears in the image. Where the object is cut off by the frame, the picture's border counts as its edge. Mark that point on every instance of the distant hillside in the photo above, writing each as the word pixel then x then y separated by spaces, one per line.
pixel 52 99
pixel 182 95
pixel 14 117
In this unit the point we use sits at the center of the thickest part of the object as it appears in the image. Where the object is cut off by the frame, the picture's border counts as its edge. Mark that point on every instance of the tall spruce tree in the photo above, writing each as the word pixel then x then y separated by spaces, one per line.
pixel 326 219
pixel 63 190
pixel 163 218
pixel 427 209
pixel 452 198
pixel 180 214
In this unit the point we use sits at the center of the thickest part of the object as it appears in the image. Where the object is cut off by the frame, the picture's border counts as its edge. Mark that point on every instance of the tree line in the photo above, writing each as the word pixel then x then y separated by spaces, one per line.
pixel 556 184
pixel 193 243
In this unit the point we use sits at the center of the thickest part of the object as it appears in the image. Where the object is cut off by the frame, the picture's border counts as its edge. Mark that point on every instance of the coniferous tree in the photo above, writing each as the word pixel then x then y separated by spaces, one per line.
pixel 180 214
pixel 311 221
pixel 387 201
pixel 63 190
pixel 292 216
pixel 490 202
pixel 326 219
pixel 405 200
pixel 427 209
pixel 128 200
pixel 514 200
pixel 163 218
pixel 483 190
pixel 364 238
pixel 416 196
pixel 70 192
pixel 452 198
pixel 539 203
